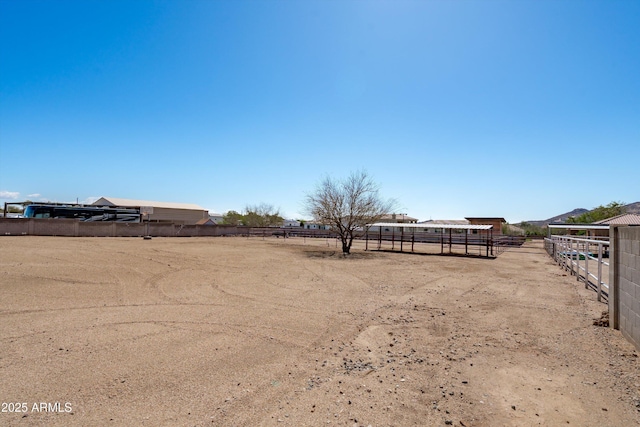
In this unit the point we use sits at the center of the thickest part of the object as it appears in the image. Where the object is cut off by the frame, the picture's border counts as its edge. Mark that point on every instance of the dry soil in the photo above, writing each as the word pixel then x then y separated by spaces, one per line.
pixel 244 332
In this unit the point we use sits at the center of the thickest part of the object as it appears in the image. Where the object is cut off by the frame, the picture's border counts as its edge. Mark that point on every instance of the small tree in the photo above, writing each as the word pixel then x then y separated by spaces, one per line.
pixel 598 214
pixel 506 229
pixel 232 218
pixel 348 206
pixel 532 229
pixel 262 215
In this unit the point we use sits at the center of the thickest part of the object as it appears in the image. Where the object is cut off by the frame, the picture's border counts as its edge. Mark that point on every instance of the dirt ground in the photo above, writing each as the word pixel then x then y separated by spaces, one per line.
pixel 239 332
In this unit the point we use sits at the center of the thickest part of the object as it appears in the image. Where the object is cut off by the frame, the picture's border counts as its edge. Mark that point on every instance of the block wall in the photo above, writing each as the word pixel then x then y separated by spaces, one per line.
pixel 624 303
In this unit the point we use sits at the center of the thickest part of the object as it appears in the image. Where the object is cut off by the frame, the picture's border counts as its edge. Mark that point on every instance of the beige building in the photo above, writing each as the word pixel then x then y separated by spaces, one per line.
pixel 398 218
pixel 496 222
pixel 177 213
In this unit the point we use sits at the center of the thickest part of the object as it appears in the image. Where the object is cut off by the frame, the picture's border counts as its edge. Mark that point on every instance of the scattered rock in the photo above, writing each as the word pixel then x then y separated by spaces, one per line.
pixel 603 320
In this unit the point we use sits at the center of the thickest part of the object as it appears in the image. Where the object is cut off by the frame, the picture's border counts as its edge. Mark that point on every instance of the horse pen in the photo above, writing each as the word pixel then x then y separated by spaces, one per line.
pixel 449 239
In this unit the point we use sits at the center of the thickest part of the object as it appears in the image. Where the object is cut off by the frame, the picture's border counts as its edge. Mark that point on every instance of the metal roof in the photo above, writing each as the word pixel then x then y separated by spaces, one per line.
pixel 445 221
pixel 580 226
pixel 485 218
pixel 399 217
pixel 624 219
pixel 114 201
pixel 434 226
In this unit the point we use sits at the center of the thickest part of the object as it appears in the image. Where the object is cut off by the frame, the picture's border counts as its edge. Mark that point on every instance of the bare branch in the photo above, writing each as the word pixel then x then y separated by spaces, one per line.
pixel 348 205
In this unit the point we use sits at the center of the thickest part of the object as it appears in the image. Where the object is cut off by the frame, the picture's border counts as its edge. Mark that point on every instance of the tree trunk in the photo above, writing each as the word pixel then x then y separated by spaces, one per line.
pixel 346 247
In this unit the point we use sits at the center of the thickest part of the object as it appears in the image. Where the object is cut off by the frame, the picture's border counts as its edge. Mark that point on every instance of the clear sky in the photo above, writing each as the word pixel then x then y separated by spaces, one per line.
pixel 518 109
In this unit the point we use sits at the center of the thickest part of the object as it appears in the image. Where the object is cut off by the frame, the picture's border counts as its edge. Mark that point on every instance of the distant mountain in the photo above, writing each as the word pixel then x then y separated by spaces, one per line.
pixel 630 208
pixel 559 218
pixel 633 208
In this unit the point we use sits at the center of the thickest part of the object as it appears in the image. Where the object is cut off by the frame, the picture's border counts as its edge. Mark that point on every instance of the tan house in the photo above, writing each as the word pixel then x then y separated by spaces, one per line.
pixel 496 222
pixel 398 218
pixel 176 213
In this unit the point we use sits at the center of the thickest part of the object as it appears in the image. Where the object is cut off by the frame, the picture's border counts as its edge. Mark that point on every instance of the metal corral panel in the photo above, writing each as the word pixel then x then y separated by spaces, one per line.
pixel 434 226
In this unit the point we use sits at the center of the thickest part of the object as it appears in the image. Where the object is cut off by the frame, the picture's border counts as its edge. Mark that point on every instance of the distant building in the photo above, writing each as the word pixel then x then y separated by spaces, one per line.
pixel 206 221
pixel 216 217
pixel 445 221
pixel 398 218
pixel 12 215
pixel 393 218
pixel 310 225
pixel 177 213
pixel 435 222
pixel 387 218
pixel 289 223
pixel 495 221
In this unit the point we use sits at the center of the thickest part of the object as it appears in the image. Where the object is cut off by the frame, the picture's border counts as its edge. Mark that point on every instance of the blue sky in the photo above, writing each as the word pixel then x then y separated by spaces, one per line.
pixel 519 109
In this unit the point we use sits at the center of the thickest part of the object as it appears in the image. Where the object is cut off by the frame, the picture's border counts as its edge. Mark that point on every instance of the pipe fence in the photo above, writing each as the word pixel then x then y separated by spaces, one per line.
pixel 502 243
pixel 480 244
pixel 586 258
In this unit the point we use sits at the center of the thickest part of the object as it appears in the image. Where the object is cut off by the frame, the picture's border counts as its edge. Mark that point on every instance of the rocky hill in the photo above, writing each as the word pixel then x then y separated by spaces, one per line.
pixel 633 208
pixel 558 218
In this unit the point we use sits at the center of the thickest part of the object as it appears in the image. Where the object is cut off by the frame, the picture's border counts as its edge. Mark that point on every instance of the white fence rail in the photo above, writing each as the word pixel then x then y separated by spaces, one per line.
pixel 586 258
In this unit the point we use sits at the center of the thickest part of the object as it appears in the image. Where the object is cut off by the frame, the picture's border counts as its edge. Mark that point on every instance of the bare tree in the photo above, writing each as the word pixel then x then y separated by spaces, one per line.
pixel 348 206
